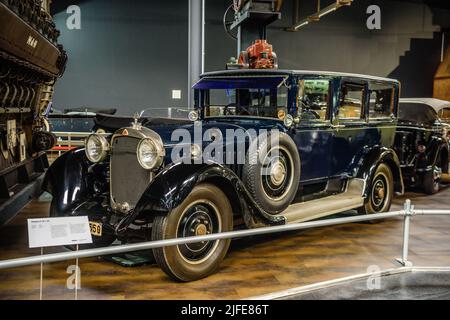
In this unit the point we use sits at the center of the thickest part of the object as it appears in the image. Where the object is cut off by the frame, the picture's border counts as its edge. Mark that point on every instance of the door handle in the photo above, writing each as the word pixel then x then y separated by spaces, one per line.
pixel 337 126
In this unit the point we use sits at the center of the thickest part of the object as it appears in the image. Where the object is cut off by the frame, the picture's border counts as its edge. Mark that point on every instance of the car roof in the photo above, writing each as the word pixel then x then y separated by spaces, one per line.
pixel 436 104
pixel 262 72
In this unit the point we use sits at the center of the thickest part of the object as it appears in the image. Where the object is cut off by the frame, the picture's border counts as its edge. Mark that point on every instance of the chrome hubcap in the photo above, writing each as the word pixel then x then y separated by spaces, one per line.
pixel 277 173
pixel 200 219
pixel 379 193
pixel 277 177
pixel 201 230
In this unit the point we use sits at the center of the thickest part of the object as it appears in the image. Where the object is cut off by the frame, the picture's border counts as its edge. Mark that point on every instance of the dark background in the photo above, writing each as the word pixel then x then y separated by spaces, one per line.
pixel 131 55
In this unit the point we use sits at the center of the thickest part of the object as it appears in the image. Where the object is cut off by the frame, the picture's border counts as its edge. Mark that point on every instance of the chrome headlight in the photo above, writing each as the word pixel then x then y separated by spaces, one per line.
pixel 150 154
pixel 96 148
pixel 193 115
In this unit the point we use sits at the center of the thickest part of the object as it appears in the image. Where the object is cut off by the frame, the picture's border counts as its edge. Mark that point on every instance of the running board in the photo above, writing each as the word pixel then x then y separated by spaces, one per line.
pixel 352 198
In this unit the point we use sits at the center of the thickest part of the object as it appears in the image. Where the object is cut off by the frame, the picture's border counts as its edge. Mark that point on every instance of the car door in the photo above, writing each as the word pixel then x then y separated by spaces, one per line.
pixel 349 125
pixel 313 133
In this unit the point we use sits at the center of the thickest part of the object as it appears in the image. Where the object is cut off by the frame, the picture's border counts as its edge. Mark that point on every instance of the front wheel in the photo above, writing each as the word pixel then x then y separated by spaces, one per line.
pixel 381 191
pixel 205 211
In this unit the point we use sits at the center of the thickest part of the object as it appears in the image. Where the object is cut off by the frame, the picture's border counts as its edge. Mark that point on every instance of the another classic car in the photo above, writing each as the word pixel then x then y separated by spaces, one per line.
pixel 75 120
pixel 421 142
pixel 263 148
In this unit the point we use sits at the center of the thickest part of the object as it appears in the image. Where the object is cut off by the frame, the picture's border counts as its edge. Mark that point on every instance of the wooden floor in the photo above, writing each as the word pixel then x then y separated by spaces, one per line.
pixel 253 267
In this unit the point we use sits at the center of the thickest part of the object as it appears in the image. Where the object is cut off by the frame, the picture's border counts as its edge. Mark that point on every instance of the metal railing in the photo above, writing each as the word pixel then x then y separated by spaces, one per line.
pixel 407 212
pixel 66 141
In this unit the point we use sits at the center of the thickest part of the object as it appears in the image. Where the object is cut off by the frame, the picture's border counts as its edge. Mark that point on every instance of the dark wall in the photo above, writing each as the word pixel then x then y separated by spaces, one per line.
pixel 407 47
pixel 127 55
pixel 131 56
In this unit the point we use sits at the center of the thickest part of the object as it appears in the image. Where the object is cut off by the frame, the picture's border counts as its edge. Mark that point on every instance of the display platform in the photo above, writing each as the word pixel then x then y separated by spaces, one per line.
pixel 405 283
pixel 254 267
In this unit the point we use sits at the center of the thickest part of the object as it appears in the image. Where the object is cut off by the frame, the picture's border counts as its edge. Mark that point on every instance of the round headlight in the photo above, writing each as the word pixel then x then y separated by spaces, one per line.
pixel 96 148
pixel 193 116
pixel 288 121
pixel 196 151
pixel 150 154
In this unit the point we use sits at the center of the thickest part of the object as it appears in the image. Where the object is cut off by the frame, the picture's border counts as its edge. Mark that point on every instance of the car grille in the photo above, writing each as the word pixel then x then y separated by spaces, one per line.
pixel 128 179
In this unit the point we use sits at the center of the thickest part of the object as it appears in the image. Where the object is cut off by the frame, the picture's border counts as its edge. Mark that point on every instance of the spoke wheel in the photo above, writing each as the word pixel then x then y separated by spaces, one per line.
pixel 381 192
pixel 228 20
pixel 199 219
pixel 206 210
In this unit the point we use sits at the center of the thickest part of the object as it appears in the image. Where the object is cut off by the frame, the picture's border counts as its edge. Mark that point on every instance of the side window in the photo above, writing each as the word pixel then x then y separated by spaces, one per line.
pixel 444 114
pixel 351 102
pixel 381 100
pixel 313 99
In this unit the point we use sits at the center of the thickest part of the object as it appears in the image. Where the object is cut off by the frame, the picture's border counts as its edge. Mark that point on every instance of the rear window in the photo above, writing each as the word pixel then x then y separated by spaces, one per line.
pixel 416 112
pixel 444 114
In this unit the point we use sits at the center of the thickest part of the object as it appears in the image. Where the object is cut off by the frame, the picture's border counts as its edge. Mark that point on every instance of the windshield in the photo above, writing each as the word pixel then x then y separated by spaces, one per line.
pixel 256 97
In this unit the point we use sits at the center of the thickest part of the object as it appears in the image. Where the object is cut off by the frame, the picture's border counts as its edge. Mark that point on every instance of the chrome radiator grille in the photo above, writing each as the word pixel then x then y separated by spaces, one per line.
pixel 128 179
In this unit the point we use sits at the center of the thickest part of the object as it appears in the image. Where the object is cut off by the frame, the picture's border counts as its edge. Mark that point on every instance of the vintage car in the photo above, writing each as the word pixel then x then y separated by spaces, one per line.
pixel 421 142
pixel 300 145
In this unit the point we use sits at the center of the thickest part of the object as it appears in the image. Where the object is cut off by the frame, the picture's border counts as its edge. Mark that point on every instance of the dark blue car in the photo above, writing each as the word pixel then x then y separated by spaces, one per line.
pixel 261 148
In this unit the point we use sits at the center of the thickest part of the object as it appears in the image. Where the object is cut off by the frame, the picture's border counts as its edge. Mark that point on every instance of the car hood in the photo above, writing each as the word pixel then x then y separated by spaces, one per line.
pixel 170 134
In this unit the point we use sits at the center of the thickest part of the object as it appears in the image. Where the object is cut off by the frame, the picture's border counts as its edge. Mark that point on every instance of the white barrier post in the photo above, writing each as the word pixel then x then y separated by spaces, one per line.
pixel 409 211
pixel 42 276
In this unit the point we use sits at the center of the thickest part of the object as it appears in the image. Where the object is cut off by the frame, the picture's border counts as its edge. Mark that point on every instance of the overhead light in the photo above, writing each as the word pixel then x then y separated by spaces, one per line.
pixel 316 17
pixel 323 13
pixel 301 24
pixel 344 2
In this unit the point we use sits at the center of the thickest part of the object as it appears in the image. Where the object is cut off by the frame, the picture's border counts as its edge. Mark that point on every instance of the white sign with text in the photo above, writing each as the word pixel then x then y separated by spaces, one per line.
pixel 52 232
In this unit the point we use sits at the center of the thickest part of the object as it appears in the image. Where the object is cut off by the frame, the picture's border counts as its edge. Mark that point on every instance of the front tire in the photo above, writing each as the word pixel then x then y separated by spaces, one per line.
pixel 206 210
pixel 381 191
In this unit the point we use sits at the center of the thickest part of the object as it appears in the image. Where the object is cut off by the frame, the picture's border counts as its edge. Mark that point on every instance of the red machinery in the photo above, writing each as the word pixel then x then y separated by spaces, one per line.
pixel 246 22
pixel 260 55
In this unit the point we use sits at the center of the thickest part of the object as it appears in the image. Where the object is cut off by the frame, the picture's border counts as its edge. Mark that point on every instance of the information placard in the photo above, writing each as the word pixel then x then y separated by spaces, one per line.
pixel 52 232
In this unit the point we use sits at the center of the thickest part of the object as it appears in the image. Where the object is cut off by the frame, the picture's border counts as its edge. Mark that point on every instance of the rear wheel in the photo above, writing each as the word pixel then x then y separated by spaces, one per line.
pixel 432 180
pixel 381 191
pixel 205 211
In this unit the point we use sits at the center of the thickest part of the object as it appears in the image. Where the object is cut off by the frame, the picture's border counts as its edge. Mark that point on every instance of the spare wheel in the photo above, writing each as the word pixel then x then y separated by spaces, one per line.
pixel 271 172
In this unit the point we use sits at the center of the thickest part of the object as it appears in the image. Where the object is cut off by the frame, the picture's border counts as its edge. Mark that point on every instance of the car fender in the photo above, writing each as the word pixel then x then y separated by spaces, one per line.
pixel 174 183
pixel 444 151
pixel 369 162
pixel 437 145
pixel 66 180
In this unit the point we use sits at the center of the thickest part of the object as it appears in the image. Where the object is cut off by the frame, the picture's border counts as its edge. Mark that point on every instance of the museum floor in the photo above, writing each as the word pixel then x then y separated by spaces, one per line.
pixel 253 267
